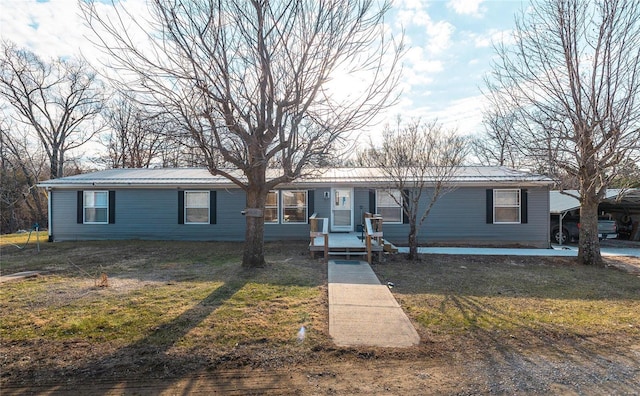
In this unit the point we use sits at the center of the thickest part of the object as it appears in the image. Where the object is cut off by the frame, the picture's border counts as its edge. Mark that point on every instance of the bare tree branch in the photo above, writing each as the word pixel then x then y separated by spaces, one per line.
pixel 59 101
pixel 573 79
pixel 251 80
pixel 421 160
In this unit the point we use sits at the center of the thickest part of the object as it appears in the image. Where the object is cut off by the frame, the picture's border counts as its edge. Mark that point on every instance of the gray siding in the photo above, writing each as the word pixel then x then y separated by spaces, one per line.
pixel 148 214
pixel 322 205
pixel 458 217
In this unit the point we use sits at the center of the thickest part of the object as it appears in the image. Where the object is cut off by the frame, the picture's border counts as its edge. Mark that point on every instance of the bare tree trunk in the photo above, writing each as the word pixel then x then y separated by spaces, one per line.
pixel 53 164
pixel 413 241
pixel 589 244
pixel 253 255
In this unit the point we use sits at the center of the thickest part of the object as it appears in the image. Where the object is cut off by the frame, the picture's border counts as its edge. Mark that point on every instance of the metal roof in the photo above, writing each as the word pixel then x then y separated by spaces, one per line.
pixel 561 202
pixel 184 177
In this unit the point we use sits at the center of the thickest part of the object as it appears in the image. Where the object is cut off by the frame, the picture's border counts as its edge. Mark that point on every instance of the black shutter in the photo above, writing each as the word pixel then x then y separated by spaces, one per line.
pixel 489 206
pixel 180 207
pixel 310 202
pixel 524 207
pixel 112 207
pixel 80 208
pixel 372 201
pixel 405 206
pixel 212 207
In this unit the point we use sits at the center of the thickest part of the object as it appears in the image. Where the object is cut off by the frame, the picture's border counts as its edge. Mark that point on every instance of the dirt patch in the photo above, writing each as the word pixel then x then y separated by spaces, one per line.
pixel 627 264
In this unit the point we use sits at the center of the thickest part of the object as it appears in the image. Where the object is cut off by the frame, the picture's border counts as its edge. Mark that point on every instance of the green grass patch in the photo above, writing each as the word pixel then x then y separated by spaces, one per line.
pixel 162 294
pixel 22 239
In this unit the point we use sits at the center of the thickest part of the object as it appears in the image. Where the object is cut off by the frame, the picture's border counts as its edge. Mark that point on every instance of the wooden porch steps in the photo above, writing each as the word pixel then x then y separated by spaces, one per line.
pixel 389 247
pixel 349 243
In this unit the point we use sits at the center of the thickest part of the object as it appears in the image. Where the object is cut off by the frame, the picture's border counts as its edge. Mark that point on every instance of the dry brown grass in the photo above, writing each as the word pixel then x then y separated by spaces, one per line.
pixel 173 309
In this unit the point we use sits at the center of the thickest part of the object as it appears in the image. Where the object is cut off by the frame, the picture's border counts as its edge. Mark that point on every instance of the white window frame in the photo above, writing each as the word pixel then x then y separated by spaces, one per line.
pixel 186 218
pixel 283 207
pixel 277 208
pixel 85 206
pixel 517 205
pixel 394 206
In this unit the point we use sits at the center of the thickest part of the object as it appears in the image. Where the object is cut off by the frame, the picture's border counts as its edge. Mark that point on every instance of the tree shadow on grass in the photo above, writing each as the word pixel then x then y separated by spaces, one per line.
pixel 478 307
pixel 160 355
pixel 149 360
pixel 536 357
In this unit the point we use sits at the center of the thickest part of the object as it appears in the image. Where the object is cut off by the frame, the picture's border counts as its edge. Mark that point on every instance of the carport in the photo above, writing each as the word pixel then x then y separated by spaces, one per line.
pixel 623 205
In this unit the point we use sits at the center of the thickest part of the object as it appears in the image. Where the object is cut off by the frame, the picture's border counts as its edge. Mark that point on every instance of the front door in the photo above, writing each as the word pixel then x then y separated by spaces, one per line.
pixel 341 209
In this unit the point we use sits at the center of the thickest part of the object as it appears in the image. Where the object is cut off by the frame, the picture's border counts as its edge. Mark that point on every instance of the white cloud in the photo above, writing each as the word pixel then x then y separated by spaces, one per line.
pixel 463 115
pixel 490 37
pixel 418 61
pixel 412 16
pixel 467 7
pixel 439 36
pixel 50 29
pixel 408 17
pixel 55 28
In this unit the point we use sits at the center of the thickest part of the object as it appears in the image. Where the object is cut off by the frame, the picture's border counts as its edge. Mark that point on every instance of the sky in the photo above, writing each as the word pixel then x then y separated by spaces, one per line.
pixel 449 49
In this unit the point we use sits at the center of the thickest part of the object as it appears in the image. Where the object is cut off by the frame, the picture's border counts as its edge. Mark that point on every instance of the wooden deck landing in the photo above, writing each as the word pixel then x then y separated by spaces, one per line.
pixel 344 241
pixel 349 244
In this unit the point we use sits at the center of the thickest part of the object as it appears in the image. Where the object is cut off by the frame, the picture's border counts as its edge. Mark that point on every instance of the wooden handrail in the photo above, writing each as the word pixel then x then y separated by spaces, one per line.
pixel 315 232
pixel 373 232
pixel 369 235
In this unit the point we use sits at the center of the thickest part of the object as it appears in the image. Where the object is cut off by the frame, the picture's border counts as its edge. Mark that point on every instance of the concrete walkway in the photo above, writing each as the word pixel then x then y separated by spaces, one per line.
pixel 556 251
pixel 364 312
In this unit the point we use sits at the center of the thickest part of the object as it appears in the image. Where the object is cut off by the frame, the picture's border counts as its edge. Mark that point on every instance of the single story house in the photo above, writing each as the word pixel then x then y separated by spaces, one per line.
pixel 489 206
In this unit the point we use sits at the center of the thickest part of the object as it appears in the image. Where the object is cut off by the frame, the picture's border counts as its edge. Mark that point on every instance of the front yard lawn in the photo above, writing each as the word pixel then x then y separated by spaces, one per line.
pixel 174 309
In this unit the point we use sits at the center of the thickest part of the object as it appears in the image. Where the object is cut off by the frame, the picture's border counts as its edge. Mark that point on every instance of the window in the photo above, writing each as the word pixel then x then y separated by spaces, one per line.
pixel 506 206
pixel 196 207
pixel 96 207
pixel 294 206
pixel 271 208
pixel 389 205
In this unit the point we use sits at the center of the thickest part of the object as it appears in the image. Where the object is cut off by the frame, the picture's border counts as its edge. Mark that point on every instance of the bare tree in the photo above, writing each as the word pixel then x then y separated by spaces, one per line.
pixel 137 136
pixel 421 160
pixel 57 100
pixel 574 78
pixel 250 82
pixel 628 177
pixel 22 166
pixel 496 146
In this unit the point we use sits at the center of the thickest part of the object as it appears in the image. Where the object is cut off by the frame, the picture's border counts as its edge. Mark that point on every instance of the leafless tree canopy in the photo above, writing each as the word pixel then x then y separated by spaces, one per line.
pixel 421 159
pixel 22 166
pixel 573 79
pixel 138 137
pixel 55 101
pixel 497 146
pixel 251 81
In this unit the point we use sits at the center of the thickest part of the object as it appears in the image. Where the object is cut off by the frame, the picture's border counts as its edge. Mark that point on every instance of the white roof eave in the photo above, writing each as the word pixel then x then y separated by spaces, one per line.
pixel 354 177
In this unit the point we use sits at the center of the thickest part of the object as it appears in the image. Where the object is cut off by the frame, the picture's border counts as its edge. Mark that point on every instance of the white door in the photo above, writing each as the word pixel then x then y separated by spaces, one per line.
pixel 342 209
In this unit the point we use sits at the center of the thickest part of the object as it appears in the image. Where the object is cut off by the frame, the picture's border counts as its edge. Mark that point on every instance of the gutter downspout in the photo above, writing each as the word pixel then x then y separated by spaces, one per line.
pixel 49 214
